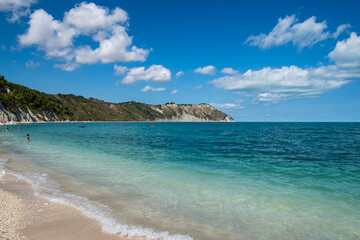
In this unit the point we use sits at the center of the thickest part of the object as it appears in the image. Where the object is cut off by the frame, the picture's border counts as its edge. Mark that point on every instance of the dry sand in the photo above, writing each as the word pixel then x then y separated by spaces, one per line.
pixel 26 216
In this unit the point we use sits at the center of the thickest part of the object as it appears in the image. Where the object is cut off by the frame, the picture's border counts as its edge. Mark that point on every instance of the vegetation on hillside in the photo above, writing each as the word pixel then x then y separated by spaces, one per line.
pixel 71 107
pixel 15 95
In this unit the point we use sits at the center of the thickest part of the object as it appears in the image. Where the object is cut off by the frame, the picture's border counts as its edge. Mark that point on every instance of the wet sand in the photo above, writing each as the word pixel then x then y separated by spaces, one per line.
pixel 26 216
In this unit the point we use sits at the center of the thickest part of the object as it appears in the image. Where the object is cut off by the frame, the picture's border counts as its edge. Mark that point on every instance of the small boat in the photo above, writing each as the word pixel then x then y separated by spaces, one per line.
pixel 81 126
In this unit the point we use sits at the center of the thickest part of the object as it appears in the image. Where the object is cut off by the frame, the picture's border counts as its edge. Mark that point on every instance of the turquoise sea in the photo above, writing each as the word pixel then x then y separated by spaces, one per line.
pixel 197 180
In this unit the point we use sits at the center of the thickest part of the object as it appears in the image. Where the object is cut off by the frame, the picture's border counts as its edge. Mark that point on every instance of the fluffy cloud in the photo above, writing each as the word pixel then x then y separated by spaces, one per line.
pixel 113 49
pixel 208 70
pixel 155 73
pixel 229 71
pixel 16 8
pixel 148 88
pixel 347 53
pixel 179 74
pixel 46 32
pixel 274 85
pixel 174 91
pixel 300 34
pixel 278 84
pixel 107 29
pixel 88 17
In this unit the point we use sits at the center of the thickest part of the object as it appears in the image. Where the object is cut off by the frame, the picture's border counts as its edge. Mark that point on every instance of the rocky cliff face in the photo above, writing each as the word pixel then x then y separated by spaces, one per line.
pixel 24 116
pixel 165 113
pixel 190 113
pixel 19 104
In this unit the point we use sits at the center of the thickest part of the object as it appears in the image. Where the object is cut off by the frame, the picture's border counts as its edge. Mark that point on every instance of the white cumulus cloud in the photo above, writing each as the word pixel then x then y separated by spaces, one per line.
pixel 278 84
pixel 16 8
pixel 113 49
pixel 148 88
pixel 174 91
pixel 106 29
pixel 229 71
pixel 88 17
pixel 208 70
pixel 155 73
pixel 47 33
pixel 347 53
pixel 300 34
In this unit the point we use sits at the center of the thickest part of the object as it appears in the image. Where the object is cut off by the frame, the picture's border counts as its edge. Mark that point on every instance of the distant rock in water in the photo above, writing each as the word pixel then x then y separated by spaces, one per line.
pixel 19 104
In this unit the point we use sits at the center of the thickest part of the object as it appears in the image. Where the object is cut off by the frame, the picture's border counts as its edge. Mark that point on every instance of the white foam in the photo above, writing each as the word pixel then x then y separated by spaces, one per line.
pixel 49 189
pixel 3 161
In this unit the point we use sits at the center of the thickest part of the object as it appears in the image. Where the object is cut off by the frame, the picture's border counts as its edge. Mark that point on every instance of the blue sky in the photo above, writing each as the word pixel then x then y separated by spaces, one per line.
pixel 256 60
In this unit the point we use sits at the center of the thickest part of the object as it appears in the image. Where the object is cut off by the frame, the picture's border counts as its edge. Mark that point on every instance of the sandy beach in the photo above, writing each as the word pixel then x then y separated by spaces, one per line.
pixel 26 216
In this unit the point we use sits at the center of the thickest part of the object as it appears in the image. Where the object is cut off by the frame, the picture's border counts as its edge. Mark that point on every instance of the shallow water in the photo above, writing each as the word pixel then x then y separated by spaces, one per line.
pixel 236 181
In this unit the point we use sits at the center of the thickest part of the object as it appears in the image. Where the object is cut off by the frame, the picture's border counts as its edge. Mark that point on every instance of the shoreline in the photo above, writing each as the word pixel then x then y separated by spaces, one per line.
pixel 118 180
pixel 36 212
pixel 25 215
pixel 156 121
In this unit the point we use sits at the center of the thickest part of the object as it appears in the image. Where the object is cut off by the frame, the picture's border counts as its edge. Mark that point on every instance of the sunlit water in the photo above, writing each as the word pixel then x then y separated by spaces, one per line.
pixel 198 180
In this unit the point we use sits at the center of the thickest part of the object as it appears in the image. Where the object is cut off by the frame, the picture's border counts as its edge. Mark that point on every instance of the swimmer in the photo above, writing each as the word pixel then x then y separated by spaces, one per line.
pixel 152 124
pixel 28 137
pixel 7 128
pixel 18 129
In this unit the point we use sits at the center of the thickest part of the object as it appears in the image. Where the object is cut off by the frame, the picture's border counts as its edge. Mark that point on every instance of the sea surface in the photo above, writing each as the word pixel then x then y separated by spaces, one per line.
pixel 197 180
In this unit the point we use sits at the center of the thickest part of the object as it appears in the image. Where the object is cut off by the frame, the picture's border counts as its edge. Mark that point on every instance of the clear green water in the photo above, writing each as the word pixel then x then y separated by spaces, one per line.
pixel 238 181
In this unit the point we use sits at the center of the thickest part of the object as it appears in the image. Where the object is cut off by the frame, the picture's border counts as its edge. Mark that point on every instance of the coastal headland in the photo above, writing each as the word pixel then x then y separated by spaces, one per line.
pixel 19 104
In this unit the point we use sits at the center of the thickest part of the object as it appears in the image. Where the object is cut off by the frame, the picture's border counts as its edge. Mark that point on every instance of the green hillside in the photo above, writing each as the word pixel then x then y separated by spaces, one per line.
pixel 78 108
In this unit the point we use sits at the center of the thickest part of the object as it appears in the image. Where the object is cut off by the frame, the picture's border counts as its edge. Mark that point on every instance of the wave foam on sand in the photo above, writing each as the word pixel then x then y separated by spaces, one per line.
pixel 49 189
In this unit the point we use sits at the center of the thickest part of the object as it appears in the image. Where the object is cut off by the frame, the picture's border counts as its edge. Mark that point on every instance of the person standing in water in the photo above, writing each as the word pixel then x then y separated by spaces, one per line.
pixel 7 128
pixel 28 137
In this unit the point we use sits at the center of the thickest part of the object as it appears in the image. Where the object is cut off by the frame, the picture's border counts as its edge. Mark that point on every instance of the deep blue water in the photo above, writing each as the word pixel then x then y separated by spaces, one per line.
pixel 203 180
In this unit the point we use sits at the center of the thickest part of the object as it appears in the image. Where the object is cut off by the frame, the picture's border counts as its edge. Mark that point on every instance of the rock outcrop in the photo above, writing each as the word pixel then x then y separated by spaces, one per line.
pixel 190 113
pixel 19 104
pixel 24 116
